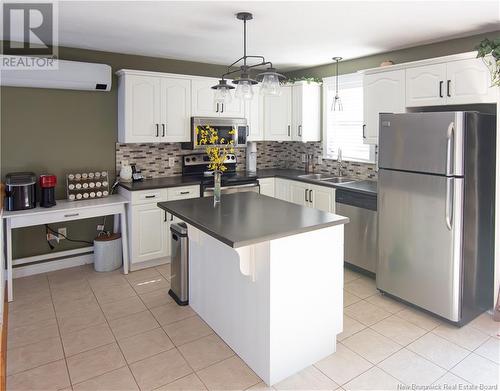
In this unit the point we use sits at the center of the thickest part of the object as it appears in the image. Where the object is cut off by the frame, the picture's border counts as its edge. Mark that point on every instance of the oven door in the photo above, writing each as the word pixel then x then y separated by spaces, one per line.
pixel 209 191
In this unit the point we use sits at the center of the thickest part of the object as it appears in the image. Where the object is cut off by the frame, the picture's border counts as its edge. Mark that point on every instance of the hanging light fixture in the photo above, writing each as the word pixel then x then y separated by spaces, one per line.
pixel 270 78
pixel 337 103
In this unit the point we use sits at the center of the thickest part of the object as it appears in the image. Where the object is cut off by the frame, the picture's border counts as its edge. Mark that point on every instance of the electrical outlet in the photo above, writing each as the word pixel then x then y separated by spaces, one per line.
pixel 171 161
pixel 303 158
pixel 100 227
pixel 62 231
pixel 51 236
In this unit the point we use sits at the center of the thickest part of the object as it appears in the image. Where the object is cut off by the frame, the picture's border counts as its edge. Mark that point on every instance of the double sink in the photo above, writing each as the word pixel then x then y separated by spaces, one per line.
pixel 327 178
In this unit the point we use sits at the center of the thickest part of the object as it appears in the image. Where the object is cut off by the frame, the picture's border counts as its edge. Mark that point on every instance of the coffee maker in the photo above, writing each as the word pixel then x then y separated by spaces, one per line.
pixel 20 191
pixel 47 190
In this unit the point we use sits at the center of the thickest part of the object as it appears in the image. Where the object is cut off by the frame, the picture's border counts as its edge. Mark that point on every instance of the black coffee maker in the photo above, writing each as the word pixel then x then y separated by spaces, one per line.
pixel 20 191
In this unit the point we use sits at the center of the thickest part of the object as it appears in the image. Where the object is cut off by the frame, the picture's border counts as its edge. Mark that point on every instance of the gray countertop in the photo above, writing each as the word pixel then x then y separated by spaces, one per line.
pixel 363 186
pixel 242 219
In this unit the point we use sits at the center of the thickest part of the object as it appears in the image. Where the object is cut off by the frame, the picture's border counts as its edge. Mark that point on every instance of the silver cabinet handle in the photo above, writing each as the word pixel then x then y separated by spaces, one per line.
pixel 440 88
pixel 222 109
pixel 289 130
pixel 448 207
pixel 305 195
pixel 165 216
pixel 299 130
pixel 184 192
pixel 248 130
pixel 364 127
pixel 217 110
pixel 171 217
pixel 163 129
pixel 449 149
pixel 310 196
pixel 150 196
pixel 157 130
pixel 448 82
pixel 72 215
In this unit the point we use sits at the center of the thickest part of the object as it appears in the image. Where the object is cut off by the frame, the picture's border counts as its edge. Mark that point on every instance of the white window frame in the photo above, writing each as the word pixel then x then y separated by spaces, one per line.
pixel 326 106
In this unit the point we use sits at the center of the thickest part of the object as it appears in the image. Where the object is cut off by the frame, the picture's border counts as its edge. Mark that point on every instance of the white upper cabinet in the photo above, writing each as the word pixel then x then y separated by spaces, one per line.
pixel 425 85
pixel 176 109
pixel 139 109
pixel 255 130
pixel 383 92
pixel 276 115
pixel 465 81
pixel 469 81
pixel 306 112
pixel 153 108
pixel 204 104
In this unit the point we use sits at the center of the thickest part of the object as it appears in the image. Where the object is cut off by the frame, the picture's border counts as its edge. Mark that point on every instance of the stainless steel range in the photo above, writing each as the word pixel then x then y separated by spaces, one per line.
pixel 196 165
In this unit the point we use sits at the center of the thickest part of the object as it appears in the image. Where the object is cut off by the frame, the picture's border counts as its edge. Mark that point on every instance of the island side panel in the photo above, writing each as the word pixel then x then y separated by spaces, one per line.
pixel 235 305
pixel 306 299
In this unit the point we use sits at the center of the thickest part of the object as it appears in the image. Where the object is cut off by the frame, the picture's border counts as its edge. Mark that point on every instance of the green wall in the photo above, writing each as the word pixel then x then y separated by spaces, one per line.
pixel 438 49
pixel 59 131
pixel 56 131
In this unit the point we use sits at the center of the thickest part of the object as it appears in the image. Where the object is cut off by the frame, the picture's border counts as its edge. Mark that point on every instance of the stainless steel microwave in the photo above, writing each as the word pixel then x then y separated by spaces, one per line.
pixel 224 128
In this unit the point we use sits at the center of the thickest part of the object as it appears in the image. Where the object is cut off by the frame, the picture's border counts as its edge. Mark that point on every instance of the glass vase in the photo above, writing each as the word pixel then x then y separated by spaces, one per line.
pixel 217 186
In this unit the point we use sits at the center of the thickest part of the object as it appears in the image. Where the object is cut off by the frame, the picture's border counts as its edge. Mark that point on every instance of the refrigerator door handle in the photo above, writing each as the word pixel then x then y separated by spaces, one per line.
pixel 450 189
pixel 450 158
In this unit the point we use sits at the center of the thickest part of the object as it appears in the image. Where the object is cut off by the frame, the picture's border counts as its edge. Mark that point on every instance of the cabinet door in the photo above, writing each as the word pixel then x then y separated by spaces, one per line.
pixel 469 81
pixel 382 93
pixel 306 112
pixel 426 85
pixel 323 198
pixel 142 109
pixel 235 107
pixel 202 96
pixel 176 109
pixel 297 126
pixel 255 131
pixel 282 189
pixel 277 115
pixel 299 193
pixel 149 233
pixel 267 186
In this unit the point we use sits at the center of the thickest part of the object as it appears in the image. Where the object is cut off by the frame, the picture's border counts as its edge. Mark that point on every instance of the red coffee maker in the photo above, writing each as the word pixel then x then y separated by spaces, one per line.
pixel 47 190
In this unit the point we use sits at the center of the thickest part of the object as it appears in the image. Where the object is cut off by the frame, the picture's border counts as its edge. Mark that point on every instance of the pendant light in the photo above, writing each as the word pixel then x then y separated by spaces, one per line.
pixel 270 78
pixel 337 103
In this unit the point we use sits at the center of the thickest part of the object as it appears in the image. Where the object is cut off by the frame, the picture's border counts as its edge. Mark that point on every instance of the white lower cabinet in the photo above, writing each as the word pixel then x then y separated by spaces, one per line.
pixel 267 186
pixel 305 194
pixel 282 189
pixel 149 226
pixel 148 230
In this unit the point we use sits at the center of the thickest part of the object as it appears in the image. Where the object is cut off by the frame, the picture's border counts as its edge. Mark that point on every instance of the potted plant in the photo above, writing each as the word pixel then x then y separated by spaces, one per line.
pixel 489 51
pixel 217 151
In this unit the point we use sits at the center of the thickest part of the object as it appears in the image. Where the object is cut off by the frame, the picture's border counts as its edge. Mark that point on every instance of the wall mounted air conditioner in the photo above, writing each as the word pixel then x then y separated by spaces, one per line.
pixel 68 75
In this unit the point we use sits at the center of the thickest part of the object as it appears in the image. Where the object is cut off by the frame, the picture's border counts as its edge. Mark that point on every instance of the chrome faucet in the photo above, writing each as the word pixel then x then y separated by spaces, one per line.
pixel 339 162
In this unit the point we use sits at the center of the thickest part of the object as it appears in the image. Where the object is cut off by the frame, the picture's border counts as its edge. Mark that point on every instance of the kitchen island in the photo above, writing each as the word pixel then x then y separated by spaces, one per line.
pixel 267 276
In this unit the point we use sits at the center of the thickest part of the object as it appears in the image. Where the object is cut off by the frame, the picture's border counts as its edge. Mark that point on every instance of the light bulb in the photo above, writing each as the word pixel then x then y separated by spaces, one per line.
pixel 222 95
pixel 270 85
pixel 244 90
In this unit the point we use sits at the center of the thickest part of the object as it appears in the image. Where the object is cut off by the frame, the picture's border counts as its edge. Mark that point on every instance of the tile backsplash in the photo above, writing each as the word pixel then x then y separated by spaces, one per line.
pixel 153 159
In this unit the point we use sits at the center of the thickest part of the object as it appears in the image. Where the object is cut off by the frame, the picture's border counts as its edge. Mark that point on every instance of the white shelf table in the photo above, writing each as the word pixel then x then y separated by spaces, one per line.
pixel 65 210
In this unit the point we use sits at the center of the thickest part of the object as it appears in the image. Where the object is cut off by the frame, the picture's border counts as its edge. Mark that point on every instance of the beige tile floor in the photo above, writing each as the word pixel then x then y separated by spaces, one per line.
pixel 81 330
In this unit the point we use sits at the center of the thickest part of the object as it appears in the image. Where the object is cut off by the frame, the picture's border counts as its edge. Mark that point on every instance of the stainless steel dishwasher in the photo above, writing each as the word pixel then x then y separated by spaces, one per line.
pixel 360 235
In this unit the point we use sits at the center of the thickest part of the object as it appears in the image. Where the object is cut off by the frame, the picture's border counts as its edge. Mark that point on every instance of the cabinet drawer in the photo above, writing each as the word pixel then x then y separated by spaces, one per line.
pixel 142 197
pixel 179 193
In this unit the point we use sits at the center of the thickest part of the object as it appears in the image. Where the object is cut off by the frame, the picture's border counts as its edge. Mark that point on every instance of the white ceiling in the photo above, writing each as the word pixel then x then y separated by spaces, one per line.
pixel 291 34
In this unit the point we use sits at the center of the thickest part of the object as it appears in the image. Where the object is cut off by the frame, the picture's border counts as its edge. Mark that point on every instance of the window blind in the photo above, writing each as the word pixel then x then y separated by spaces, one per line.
pixel 344 129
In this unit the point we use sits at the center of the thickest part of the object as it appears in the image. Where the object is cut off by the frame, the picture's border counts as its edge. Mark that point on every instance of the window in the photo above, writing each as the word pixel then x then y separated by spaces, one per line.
pixel 344 129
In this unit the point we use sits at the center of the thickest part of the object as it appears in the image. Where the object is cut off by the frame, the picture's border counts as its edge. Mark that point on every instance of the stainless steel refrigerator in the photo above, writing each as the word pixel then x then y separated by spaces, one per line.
pixel 436 206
